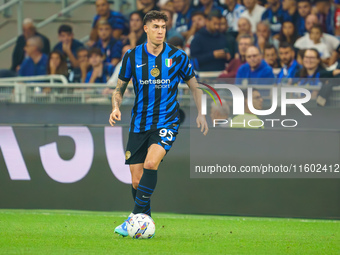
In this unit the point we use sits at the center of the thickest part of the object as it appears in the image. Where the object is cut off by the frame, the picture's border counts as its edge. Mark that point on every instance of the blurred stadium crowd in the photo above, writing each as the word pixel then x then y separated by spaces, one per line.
pixel 245 40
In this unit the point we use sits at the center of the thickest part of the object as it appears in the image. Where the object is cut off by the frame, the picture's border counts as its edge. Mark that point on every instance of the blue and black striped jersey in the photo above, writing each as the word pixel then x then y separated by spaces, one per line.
pixel 155 81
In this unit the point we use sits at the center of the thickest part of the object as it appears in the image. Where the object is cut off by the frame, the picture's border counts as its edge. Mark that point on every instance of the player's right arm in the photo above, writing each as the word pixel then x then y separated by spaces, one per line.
pixel 117 98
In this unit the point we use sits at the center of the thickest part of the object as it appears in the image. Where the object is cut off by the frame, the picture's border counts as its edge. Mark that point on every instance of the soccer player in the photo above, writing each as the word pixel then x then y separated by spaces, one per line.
pixel 156 69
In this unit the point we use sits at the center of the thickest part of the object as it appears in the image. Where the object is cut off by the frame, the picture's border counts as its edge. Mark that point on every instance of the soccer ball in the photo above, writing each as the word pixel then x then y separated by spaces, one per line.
pixel 141 226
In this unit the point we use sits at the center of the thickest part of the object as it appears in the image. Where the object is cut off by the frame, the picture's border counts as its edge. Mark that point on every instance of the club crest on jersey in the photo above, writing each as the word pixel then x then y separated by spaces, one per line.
pixel 155 72
pixel 168 62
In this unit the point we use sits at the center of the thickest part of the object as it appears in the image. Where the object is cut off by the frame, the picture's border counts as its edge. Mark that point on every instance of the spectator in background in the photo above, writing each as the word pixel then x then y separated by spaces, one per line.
pixel 304 9
pixel 263 36
pixel 274 15
pixel 114 78
pixel 290 11
pixel 249 119
pixel 110 47
pixel 231 45
pixel 68 45
pixel 28 30
pixel 208 45
pixel 137 35
pixel 315 36
pixel 325 12
pixel 288 33
pixel 36 61
pixel 145 6
pixel 57 63
pixel 255 69
pixel 253 13
pixel 183 20
pixel 209 6
pixel 289 65
pixel 337 18
pixel 299 57
pixel 224 25
pixel 79 73
pixel 331 41
pixel 232 12
pixel 198 21
pixel 270 56
pixel 100 71
pixel 171 31
pixel 115 19
pixel 244 27
pixel 316 43
pixel 312 70
pixel 244 42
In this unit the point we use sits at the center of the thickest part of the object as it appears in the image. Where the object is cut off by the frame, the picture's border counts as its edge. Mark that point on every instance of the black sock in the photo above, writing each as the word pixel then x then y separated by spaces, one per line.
pixel 145 189
pixel 147 209
pixel 134 192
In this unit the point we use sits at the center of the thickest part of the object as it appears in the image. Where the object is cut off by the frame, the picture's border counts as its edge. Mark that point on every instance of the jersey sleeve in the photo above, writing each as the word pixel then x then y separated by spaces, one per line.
pixel 125 71
pixel 186 71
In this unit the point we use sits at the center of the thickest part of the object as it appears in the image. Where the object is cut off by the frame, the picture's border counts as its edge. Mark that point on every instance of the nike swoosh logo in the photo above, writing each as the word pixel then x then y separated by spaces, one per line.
pixel 141 65
pixel 164 142
pixel 145 196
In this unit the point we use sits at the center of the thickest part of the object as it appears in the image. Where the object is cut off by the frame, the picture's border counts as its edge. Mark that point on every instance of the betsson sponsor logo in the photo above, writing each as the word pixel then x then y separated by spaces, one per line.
pixel 159 83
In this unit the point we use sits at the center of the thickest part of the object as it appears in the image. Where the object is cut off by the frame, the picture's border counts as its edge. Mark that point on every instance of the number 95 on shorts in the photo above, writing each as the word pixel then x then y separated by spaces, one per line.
pixel 138 143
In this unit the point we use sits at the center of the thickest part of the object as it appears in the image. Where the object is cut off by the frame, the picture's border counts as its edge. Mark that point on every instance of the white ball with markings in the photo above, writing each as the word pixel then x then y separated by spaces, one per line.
pixel 141 226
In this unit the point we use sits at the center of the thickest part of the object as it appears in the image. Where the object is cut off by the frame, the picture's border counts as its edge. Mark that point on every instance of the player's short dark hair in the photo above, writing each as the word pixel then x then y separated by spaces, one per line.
pixel 65 28
pixel 286 45
pixel 95 51
pixel 198 13
pixel 214 14
pixel 154 15
pixel 136 12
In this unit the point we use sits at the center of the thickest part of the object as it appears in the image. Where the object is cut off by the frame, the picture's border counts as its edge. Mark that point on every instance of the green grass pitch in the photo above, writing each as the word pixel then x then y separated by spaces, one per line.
pixel 82 232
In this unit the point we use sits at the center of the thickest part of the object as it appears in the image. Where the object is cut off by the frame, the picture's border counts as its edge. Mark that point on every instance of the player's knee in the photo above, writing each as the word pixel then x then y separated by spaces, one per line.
pixel 135 184
pixel 151 164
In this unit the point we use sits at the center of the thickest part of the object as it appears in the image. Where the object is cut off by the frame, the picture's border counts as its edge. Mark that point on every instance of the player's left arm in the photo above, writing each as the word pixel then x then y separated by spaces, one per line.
pixel 197 94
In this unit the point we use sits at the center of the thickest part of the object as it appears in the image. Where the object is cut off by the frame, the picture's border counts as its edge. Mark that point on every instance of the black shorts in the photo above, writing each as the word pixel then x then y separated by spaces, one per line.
pixel 138 143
